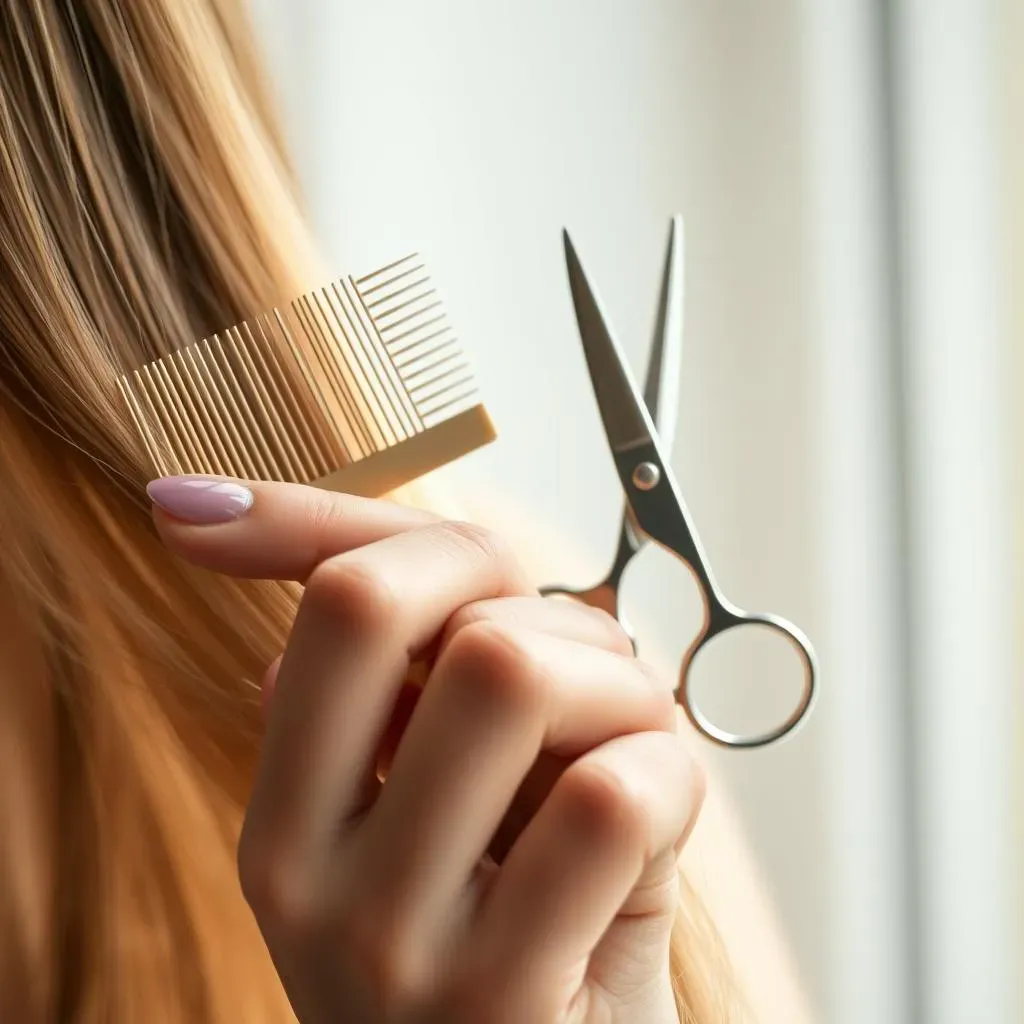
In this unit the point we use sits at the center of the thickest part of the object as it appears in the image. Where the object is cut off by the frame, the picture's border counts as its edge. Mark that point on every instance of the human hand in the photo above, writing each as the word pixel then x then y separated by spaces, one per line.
pixel 519 862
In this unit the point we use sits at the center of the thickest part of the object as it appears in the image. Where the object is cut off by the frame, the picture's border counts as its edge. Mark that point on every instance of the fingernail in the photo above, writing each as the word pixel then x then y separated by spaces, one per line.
pixel 200 499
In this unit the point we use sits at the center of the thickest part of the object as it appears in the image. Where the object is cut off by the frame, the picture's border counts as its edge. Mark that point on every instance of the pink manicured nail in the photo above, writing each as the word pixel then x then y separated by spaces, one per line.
pixel 200 499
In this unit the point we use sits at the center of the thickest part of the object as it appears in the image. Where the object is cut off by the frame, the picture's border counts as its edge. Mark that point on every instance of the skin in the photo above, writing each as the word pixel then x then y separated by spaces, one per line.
pixel 520 862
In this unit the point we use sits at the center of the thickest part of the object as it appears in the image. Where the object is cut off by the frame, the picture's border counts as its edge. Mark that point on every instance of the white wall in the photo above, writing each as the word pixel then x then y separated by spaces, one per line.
pixel 959 396
pixel 868 916
pixel 1011 32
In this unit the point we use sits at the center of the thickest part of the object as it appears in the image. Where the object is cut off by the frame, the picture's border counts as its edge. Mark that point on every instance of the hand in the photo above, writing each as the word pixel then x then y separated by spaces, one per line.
pixel 519 862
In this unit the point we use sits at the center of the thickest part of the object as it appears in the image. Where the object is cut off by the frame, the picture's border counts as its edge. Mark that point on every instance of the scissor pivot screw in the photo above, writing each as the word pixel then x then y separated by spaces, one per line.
pixel 646 476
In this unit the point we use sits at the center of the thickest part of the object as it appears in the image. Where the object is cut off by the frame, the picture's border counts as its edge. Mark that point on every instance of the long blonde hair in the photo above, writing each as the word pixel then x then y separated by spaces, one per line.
pixel 146 201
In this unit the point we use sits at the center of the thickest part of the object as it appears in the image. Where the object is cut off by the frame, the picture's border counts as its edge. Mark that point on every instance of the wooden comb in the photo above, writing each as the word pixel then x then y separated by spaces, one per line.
pixel 360 386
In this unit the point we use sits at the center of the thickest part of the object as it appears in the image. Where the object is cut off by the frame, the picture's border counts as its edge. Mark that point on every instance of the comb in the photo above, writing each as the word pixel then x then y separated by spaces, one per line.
pixel 359 386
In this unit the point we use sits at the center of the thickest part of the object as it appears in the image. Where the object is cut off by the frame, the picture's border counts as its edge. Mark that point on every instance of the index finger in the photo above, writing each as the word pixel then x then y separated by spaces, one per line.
pixel 276 531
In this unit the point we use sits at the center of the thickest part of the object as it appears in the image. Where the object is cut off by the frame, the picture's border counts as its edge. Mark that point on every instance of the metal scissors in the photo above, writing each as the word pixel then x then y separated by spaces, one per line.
pixel 640 432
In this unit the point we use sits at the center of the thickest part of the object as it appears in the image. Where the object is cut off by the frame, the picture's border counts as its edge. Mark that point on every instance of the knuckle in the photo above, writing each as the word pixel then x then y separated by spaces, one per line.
pixel 325 513
pixel 278 894
pixel 618 639
pixel 467 615
pixel 352 590
pixel 477 539
pixel 671 753
pixel 599 802
pixel 376 946
pixel 495 663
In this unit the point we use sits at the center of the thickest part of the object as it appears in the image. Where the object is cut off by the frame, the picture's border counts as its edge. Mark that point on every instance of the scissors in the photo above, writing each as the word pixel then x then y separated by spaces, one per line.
pixel 640 431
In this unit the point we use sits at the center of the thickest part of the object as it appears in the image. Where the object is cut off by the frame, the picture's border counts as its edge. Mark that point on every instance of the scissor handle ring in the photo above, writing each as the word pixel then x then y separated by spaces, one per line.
pixel 722 622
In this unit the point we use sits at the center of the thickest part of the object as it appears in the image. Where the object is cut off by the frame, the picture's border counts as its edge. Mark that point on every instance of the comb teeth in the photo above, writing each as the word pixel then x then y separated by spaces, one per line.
pixel 360 386
pixel 419 340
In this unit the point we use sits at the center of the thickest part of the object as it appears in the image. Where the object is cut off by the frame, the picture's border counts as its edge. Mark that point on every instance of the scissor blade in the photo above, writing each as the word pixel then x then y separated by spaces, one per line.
pixel 625 417
pixel 661 389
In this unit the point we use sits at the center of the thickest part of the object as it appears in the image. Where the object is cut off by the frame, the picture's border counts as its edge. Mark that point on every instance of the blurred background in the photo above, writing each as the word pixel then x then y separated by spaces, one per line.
pixel 849 439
